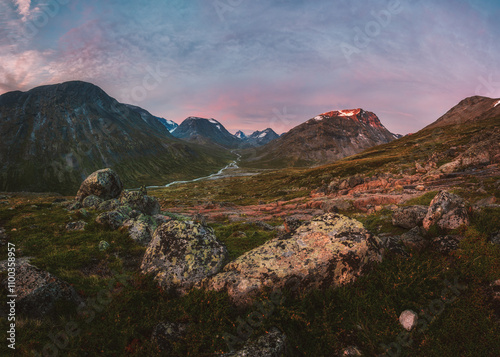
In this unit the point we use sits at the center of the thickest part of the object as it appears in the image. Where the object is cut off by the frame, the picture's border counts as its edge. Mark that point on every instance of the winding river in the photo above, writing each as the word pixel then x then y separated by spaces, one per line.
pixel 217 175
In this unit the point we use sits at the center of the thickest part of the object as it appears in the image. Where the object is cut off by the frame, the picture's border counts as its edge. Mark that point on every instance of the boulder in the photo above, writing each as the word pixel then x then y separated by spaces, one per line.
pixel 103 183
pixel 181 254
pixel 409 217
pixel 329 250
pixel 140 229
pixel 38 291
pixel 109 205
pixel 414 238
pixel 272 344
pixel 393 244
pixel 165 333
pixel 136 200
pixel 92 201
pixel 76 226
pixel 447 211
pixel 111 219
pixel 446 244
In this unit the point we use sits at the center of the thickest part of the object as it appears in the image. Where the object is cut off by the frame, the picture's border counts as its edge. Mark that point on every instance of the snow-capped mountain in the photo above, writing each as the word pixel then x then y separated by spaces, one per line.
pixel 258 138
pixel 326 137
pixel 240 135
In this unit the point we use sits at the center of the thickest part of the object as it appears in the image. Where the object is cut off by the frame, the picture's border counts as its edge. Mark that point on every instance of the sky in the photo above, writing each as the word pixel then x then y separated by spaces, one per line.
pixel 253 64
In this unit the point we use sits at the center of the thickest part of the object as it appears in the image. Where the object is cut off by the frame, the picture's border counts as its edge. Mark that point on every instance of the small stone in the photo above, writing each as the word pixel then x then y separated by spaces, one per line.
pixel 351 351
pixel 76 226
pixel 103 245
pixel 408 319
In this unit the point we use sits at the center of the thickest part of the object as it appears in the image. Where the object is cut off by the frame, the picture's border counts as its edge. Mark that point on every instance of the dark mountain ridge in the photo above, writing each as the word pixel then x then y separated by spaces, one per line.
pixel 54 136
pixel 203 130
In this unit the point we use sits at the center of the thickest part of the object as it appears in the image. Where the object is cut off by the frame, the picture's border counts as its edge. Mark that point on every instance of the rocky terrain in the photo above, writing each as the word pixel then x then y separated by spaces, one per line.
pixel 398 243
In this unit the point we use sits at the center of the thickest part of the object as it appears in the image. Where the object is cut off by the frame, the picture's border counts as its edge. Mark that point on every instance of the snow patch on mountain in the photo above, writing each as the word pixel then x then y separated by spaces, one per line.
pixel 496 104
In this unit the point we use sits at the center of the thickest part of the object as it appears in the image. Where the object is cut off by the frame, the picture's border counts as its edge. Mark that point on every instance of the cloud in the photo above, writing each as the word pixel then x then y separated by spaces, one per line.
pixel 23 8
pixel 260 57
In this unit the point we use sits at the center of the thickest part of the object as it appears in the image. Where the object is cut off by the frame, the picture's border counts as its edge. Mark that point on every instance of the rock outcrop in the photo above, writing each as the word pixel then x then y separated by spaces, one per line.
pixel 104 184
pixel 447 211
pixel 330 250
pixel 181 254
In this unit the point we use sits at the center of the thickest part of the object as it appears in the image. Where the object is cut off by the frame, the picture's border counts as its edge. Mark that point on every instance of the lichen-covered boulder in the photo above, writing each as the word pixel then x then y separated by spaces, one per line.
pixel 109 205
pixel 330 250
pixel 138 201
pixel 181 254
pixel 140 229
pixel 409 217
pixel 103 183
pixel 447 211
pixel 92 201
pixel 38 291
pixel 112 219
pixel 414 238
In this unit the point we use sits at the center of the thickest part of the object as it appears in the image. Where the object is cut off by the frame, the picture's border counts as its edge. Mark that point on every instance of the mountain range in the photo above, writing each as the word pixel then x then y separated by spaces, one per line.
pixel 54 136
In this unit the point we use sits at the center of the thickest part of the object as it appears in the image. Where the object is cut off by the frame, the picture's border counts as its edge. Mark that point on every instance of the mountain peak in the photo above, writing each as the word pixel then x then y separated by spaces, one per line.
pixel 469 109
pixel 358 115
pixel 196 128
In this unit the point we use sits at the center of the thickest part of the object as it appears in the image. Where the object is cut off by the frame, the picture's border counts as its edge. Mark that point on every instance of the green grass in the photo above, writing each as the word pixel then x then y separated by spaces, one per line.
pixel 424 200
pixel 241 237
pixel 317 322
